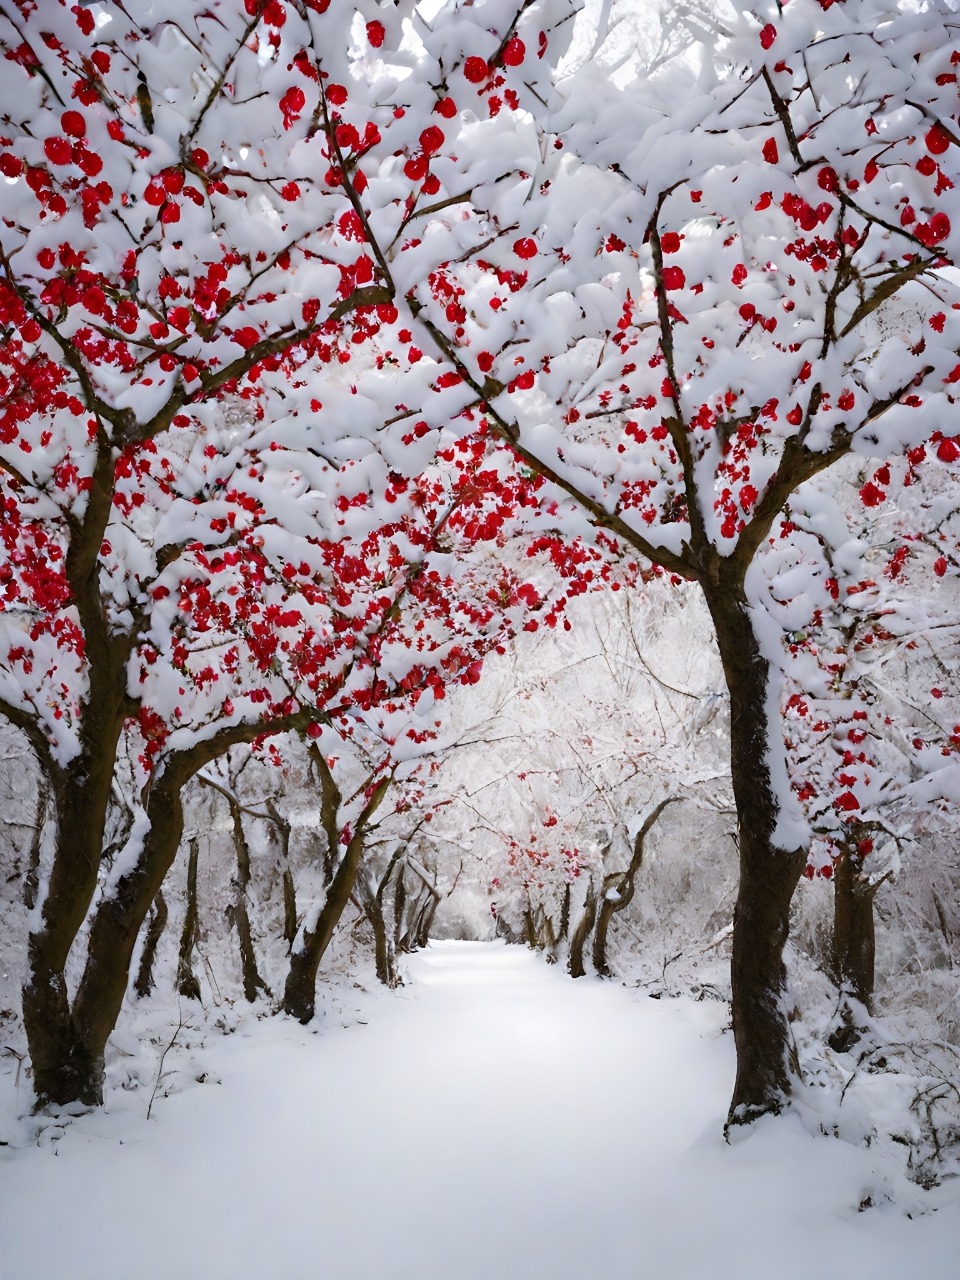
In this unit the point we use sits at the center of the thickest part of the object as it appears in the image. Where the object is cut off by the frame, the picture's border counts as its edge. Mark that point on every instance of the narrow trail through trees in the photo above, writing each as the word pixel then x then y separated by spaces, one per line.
pixel 490 1116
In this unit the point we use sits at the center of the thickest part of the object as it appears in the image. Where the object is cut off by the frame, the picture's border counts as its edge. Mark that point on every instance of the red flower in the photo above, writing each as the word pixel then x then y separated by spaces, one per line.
pixel 245 337
pixel 291 104
pixel 73 124
pixel 515 52
pixel 475 70
pixel 416 167
pixel 848 801
pixel 347 137
pixel 525 248
pixel 768 35
pixel 937 141
pixel 770 152
pixel 673 278
pixel 57 150
pixel 670 242
pixel 431 140
pixel 376 34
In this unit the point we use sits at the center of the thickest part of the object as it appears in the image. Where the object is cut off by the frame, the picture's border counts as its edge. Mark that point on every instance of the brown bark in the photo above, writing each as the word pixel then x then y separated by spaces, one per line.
pixel 61 1065
pixel 854 933
pixel 121 912
pixel 372 903
pixel 237 912
pixel 289 889
pixel 299 997
pixel 400 934
pixel 187 982
pixel 158 921
pixel 619 888
pixel 31 881
pixel 768 874
pixel 582 932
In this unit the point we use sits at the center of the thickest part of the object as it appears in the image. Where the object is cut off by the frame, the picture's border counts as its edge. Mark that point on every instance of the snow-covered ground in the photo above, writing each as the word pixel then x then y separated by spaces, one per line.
pixel 493 1117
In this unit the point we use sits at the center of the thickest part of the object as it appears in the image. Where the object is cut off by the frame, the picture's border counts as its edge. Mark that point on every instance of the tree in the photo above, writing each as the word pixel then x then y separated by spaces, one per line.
pixel 772 228
pixel 870 696
pixel 181 268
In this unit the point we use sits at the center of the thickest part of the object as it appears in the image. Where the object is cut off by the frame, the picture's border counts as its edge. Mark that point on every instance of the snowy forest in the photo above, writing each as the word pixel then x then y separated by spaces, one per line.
pixel 480 503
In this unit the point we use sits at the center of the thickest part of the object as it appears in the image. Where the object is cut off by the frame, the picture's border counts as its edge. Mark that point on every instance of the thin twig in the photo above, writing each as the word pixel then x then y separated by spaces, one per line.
pixel 163 1057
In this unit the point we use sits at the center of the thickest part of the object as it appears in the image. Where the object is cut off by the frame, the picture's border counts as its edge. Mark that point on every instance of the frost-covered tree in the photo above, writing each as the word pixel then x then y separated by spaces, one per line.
pixel 737 284
pixel 216 433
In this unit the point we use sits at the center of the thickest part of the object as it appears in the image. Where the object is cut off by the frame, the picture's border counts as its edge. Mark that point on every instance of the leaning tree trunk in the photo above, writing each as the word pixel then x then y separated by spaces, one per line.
pixel 125 904
pixel 300 993
pixel 582 932
pixel 619 888
pixel 768 874
pixel 117 923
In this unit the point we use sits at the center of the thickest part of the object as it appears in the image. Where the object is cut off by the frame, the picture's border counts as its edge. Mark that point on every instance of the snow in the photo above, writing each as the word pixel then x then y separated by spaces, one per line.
pixel 492 1116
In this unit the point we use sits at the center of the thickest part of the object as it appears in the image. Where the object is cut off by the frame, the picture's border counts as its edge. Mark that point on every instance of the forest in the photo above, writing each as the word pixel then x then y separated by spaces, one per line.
pixel 483 472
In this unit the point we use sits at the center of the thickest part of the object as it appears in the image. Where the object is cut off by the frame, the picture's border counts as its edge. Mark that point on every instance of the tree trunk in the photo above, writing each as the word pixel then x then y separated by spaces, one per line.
pixel 400 935
pixel 768 874
pixel 300 993
pixel 117 923
pixel 144 983
pixel 289 889
pixel 63 1069
pixel 187 982
pixel 31 881
pixel 582 932
pixel 619 888
pixel 124 906
pixel 854 938
pixel 238 913
pixel 372 901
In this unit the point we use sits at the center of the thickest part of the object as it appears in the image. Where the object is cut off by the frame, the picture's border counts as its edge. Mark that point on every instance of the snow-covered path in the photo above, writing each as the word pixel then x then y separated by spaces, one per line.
pixel 494 1118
